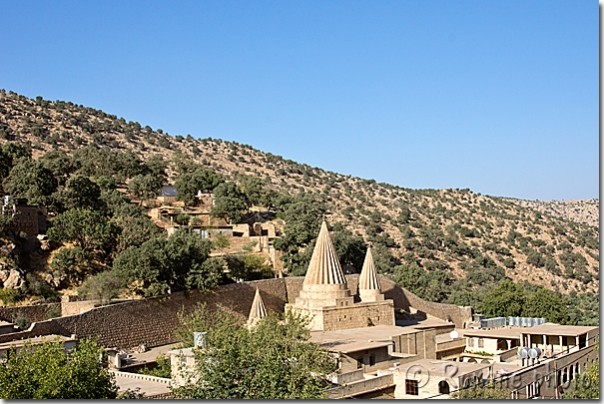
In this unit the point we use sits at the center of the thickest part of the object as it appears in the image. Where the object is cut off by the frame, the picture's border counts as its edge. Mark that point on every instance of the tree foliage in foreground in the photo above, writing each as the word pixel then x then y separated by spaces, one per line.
pixel 491 391
pixel 47 371
pixel 587 384
pixel 273 360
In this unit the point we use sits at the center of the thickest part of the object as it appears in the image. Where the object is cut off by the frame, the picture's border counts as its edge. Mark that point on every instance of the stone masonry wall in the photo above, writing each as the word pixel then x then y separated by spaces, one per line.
pixel 458 315
pixel 36 312
pixel 153 321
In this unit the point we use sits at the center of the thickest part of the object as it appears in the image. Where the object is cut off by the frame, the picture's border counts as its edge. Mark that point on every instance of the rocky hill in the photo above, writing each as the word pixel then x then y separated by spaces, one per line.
pixel 453 231
pixel 582 211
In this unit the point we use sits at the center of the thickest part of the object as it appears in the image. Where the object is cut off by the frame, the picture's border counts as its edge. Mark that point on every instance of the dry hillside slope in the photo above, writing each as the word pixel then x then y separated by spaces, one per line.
pixel 441 230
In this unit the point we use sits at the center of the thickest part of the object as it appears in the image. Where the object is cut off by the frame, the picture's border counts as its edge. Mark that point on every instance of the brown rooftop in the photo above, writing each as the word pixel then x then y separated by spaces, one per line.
pixel 504 332
pixel 557 329
pixel 357 339
pixel 442 368
pixel 424 324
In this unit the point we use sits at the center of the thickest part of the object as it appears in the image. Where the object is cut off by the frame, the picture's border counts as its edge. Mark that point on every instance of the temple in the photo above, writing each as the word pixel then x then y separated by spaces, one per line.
pixel 327 300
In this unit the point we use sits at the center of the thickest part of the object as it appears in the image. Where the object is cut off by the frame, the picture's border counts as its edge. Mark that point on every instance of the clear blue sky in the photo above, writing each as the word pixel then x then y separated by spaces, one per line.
pixel 497 96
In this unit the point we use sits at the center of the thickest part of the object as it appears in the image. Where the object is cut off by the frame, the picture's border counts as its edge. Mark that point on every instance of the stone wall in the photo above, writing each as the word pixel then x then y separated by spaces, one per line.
pixel 361 387
pixel 153 321
pixel 25 220
pixel 460 316
pixel 358 316
pixel 36 312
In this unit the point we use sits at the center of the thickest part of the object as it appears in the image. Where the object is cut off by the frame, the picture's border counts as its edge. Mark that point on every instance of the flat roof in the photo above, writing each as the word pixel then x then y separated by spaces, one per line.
pixel 442 368
pixel 423 324
pixel 512 332
pixel 446 337
pixel 557 329
pixel 503 368
pixel 35 341
pixel 357 339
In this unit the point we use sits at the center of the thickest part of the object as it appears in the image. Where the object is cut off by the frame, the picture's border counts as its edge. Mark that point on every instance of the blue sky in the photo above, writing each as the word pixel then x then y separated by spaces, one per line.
pixel 497 96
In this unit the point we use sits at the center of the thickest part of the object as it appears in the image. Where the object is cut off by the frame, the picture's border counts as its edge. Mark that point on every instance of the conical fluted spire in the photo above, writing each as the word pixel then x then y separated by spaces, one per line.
pixel 258 310
pixel 324 265
pixel 368 279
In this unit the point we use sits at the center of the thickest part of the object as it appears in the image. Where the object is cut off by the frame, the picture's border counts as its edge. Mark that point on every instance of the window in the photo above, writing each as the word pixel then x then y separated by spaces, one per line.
pixel 371 360
pixel 480 343
pixel 411 387
pixel 443 387
pixel 471 342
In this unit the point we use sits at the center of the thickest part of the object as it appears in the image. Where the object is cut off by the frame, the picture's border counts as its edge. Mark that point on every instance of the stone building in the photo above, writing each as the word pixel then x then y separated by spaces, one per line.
pixel 26 218
pixel 327 300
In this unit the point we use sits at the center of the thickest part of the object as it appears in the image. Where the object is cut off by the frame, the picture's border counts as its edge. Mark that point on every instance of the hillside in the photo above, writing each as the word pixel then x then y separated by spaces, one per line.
pixel 581 211
pixel 452 231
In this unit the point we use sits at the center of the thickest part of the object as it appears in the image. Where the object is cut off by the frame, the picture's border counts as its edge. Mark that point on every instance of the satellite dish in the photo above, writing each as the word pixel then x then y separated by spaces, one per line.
pixel 523 353
pixel 532 353
pixel 538 351
pixel 454 334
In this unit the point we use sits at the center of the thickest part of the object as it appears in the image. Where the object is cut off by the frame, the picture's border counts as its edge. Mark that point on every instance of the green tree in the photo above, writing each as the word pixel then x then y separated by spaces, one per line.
pixel 229 202
pixel 351 250
pixel 163 368
pixel 10 153
pixel 492 391
pixel 160 266
pixel 88 229
pixel 303 215
pixel 587 384
pixel 273 360
pixel 156 166
pixel 80 192
pixel 59 163
pixel 189 183
pixel 507 299
pixel 145 186
pixel 103 286
pixel 548 304
pixel 144 270
pixel 30 179
pixel 135 231
pixel 253 191
pixel 47 371
pixel 69 265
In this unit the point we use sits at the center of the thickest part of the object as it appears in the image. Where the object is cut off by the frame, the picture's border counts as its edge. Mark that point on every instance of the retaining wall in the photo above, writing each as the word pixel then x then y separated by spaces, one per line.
pixel 36 312
pixel 153 321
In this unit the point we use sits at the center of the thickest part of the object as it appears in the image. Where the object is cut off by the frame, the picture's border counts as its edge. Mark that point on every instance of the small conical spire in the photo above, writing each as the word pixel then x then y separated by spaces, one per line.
pixel 369 287
pixel 324 267
pixel 258 310
pixel 368 279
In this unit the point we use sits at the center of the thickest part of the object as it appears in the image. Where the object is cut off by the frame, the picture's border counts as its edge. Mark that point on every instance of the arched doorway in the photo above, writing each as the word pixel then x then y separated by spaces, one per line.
pixel 443 387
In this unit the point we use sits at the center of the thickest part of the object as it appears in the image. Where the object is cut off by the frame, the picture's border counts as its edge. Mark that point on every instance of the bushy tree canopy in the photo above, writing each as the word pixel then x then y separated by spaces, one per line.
pixel 200 179
pixel 47 371
pixel 273 360
pixel 229 202
pixel 161 265
pixel 30 179
pixel 88 229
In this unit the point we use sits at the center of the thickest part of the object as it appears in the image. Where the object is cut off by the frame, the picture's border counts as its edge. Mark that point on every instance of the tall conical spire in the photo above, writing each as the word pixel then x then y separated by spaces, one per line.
pixel 324 268
pixel 368 279
pixel 258 310
pixel 369 287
